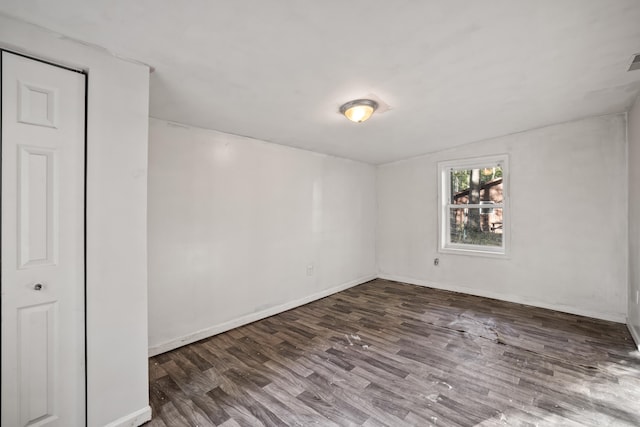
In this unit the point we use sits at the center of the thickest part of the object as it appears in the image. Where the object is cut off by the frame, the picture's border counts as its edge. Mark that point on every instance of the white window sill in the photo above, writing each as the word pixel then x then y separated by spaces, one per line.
pixel 479 252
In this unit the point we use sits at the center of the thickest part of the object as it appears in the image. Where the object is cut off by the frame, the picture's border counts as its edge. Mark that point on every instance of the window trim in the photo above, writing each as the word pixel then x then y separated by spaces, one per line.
pixel 444 236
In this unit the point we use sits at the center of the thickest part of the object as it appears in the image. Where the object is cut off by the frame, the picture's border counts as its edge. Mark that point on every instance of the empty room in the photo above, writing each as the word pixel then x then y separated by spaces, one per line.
pixel 336 213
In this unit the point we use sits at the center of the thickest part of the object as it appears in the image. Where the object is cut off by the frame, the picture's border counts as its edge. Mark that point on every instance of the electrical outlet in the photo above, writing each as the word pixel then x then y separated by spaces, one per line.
pixel 436 261
pixel 310 270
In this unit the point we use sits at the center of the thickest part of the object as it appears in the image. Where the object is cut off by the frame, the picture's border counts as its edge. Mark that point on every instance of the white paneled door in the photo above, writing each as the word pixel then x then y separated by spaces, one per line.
pixel 42 270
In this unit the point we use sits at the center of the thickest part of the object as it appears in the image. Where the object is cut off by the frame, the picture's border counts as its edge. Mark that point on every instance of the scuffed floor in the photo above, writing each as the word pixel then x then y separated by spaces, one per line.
pixel 386 353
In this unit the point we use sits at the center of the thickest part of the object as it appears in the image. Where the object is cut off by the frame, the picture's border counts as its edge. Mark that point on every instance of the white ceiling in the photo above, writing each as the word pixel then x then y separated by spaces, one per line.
pixel 452 72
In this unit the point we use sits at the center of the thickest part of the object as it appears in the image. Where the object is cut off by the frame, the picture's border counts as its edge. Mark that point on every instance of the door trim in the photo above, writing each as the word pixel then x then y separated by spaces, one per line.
pixel 84 202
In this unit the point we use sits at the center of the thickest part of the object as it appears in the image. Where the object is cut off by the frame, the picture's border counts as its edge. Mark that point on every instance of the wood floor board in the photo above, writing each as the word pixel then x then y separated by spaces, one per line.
pixel 307 414
pixel 281 409
pixel 392 354
pixel 230 423
pixel 343 391
pixel 215 413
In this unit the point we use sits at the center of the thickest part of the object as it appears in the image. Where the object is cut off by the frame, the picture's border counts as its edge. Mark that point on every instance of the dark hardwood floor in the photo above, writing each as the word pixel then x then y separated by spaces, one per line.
pixel 386 353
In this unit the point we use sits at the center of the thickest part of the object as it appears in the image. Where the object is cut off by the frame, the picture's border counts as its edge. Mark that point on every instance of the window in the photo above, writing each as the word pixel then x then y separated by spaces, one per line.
pixel 473 209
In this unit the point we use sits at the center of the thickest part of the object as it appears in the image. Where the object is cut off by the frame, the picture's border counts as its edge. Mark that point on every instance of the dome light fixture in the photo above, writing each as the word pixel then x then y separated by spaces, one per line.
pixel 359 110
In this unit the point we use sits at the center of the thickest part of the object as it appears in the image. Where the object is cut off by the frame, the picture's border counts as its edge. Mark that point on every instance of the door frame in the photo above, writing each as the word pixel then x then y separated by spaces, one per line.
pixel 84 202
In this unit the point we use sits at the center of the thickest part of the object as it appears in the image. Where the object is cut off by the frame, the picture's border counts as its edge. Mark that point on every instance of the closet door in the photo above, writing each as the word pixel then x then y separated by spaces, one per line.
pixel 42 269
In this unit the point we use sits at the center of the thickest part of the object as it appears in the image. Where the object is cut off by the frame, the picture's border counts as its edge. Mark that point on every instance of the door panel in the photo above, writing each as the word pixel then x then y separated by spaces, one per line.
pixel 36 198
pixel 42 273
pixel 36 326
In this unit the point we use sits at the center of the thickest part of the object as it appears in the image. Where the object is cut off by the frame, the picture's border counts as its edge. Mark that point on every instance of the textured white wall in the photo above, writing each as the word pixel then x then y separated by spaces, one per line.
pixel 568 221
pixel 633 315
pixel 234 223
pixel 116 222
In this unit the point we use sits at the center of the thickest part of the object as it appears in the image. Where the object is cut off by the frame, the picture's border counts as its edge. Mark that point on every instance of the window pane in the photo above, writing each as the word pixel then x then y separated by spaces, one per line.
pixel 476 186
pixel 476 226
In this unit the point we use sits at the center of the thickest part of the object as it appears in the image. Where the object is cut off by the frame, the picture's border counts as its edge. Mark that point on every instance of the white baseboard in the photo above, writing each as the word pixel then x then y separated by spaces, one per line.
pixel 249 318
pixel 635 334
pixel 133 419
pixel 613 317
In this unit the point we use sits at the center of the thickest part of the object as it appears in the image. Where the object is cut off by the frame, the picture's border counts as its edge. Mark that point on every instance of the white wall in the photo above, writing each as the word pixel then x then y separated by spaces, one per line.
pixel 116 222
pixel 633 315
pixel 568 215
pixel 234 222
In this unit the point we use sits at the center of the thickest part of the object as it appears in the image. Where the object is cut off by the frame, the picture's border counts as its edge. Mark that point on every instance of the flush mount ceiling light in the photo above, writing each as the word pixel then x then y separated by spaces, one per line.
pixel 359 110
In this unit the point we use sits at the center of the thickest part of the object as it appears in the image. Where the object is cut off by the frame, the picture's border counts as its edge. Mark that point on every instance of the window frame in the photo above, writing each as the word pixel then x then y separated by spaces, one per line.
pixel 444 205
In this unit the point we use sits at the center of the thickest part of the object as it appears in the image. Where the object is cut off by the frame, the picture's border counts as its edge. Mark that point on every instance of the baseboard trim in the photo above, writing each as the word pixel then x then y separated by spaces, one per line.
pixel 133 419
pixel 240 321
pixel 613 317
pixel 635 334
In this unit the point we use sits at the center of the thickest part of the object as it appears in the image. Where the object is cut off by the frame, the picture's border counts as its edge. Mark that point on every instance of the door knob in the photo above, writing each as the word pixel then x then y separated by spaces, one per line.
pixel 37 286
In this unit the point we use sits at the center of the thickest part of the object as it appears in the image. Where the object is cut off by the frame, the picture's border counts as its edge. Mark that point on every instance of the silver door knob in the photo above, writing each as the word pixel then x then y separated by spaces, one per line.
pixel 37 287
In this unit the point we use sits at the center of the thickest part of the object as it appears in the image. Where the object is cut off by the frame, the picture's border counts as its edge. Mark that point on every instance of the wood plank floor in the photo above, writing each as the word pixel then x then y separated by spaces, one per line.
pixel 386 353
